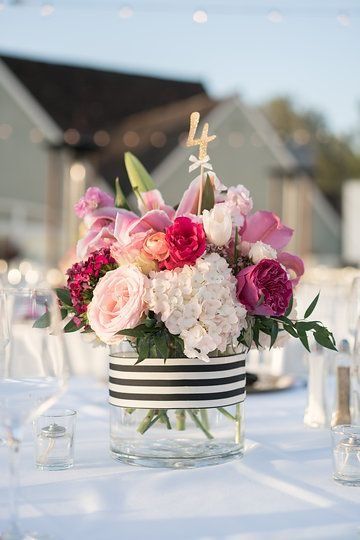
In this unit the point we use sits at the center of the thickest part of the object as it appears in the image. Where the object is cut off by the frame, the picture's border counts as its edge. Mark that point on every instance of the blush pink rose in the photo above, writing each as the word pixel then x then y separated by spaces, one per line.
pixel 155 246
pixel 186 242
pixel 264 288
pixel 118 303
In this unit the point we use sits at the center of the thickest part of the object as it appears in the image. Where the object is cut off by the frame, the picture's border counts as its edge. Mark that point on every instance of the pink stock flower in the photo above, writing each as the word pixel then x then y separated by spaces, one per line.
pixel 156 247
pixel 239 203
pixel 153 200
pixel 83 276
pixel 95 239
pixel 266 227
pixel 293 264
pixel 186 242
pixel 117 303
pixel 94 198
pixel 264 288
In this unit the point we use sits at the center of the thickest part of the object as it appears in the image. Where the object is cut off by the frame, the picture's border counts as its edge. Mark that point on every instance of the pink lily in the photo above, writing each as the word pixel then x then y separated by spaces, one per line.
pixel 95 239
pixel 292 263
pixel 100 217
pixel 190 200
pixel 267 227
pixel 128 224
pixel 153 200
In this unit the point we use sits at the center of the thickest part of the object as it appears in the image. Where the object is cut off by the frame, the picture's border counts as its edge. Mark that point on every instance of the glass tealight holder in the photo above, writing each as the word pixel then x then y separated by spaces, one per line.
pixel 54 440
pixel 346 454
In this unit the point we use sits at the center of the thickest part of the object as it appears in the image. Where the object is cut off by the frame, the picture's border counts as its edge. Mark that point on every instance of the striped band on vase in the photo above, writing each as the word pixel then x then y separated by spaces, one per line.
pixel 179 383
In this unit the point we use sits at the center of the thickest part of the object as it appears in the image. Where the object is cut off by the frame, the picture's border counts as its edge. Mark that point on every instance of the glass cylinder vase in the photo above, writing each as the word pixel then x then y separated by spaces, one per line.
pixel 180 413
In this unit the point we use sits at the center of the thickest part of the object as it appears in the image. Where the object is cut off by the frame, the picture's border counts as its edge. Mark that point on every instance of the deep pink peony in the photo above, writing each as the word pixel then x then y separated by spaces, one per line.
pixel 264 288
pixel 186 243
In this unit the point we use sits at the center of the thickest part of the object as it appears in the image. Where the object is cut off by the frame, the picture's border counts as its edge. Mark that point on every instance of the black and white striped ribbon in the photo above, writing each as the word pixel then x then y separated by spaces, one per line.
pixel 180 383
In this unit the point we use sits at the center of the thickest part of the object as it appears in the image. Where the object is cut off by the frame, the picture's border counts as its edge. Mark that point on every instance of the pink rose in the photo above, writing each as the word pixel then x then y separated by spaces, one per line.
pixel 94 198
pixel 186 243
pixel 156 247
pixel 293 264
pixel 266 227
pixel 264 288
pixel 117 303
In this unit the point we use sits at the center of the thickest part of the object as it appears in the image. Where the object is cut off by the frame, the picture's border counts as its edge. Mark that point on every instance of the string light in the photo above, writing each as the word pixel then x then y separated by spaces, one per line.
pixel 158 139
pixel 101 138
pixel 14 276
pixel 131 139
pixel 125 12
pixel 77 172
pixel 71 136
pixel 3 266
pixel 47 9
pixel 200 16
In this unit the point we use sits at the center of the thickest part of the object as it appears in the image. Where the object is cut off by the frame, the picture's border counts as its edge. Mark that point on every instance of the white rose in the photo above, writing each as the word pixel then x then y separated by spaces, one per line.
pixel 217 224
pixel 259 251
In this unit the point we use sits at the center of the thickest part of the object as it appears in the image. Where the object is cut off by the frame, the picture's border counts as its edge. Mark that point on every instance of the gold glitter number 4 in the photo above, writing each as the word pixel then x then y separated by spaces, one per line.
pixel 204 140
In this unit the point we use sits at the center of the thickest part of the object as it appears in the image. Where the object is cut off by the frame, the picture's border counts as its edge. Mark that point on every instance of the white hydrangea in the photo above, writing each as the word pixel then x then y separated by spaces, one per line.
pixel 259 251
pixel 198 303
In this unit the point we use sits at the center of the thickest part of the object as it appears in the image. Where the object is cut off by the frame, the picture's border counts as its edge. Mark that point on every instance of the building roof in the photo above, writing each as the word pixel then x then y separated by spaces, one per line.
pixel 90 100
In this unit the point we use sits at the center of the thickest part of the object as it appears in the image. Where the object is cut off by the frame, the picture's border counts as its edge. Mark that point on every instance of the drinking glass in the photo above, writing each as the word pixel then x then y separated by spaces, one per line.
pixel 33 374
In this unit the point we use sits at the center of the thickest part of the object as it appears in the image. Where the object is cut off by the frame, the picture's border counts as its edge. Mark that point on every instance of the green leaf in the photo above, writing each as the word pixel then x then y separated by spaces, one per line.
pixel 304 339
pixel 274 334
pixel 71 326
pixel 208 196
pixel 312 306
pixel 290 306
pixel 306 325
pixel 143 348
pixel 140 179
pixel 43 321
pixel 325 339
pixel 120 199
pixel 161 346
pixel 290 330
pixel 63 313
pixel 63 295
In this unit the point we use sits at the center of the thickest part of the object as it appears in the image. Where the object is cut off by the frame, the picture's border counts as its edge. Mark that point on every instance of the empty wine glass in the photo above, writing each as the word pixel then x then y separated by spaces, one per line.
pixel 33 374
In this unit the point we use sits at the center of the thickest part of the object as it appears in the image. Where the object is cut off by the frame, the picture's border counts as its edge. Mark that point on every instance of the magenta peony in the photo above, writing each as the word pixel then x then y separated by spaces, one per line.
pixel 186 242
pixel 264 288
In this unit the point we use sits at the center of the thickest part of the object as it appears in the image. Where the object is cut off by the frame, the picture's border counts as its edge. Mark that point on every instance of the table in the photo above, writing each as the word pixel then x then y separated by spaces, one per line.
pixel 281 490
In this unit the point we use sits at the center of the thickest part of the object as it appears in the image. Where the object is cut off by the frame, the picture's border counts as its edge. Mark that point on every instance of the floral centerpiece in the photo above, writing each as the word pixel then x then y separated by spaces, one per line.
pixel 189 283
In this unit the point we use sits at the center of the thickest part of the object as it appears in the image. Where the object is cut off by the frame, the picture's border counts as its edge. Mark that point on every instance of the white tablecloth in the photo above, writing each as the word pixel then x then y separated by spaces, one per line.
pixel 281 490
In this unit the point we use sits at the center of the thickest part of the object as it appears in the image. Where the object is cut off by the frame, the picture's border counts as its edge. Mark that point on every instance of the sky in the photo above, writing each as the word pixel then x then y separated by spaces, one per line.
pixel 310 51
